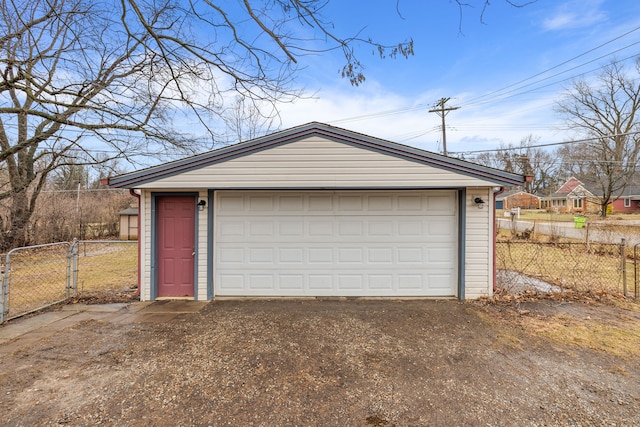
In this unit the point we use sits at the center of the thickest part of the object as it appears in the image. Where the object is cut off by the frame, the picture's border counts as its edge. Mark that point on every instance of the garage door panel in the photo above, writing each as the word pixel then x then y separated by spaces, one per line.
pixel 335 243
pixel 231 255
pixel 380 228
pixel 232 283
pixel 349 228
pixel 261 256
pixel 381 282
pixel 260 282
pixel 231 230
pixel 350 256
pixel 410 255
pixel 412 282
pixel 320 282
pixel 441 204
pixel 382 255
pixel 350 282
pixel 410 203
pixel 230 203
pixel 348 203
pixel 261 203
pixel 320 228
pixel 442 255
pixel 438 283
pixel 290 204
pixel 292 228
pixel 320 255
pixel 295 255
pixel 319 204
pixel 379 203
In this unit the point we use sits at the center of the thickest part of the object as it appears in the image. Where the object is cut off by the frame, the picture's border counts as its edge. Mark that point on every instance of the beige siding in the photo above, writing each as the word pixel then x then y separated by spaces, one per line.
pixel 203 256
pixel 145 245
pixel 479 252
pixel 316 162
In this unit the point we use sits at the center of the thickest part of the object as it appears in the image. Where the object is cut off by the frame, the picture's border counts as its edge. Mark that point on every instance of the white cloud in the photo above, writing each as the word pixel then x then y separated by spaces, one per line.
pixel 575 14
pixel 375 112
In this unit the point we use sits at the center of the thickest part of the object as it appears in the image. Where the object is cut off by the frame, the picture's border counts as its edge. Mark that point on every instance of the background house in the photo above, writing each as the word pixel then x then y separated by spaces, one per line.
pixel 517 199
pixel 575 196
pixel 571 197
pixel 628 201
pixel 316 211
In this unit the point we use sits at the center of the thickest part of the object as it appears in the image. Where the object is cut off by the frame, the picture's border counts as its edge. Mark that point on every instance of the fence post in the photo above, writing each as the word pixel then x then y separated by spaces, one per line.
pixel 74 252
pixel 4 307
pixel 624 267
pixel 587 235
pixel 68 287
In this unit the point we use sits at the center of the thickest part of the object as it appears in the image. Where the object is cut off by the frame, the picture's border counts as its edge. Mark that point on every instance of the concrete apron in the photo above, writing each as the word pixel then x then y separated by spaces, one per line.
pixel 20 332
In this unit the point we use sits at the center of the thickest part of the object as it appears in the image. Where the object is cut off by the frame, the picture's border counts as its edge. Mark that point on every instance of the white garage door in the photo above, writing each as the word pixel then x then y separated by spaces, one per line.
pixel 335 243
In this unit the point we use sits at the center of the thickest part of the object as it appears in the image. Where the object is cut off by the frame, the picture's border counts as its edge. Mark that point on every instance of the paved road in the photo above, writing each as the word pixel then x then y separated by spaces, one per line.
pixel 567 229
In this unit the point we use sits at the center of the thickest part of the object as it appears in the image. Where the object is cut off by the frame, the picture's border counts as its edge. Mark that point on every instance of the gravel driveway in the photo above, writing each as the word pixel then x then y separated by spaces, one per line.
pixel 320 363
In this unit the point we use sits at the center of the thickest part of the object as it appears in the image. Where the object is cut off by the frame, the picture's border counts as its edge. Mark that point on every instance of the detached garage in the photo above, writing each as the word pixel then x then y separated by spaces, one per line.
pixel 316 211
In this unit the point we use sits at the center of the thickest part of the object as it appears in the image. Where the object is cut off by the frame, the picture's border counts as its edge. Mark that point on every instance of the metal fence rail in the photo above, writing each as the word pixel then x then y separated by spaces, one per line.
pixel 548 266
pixel 36 277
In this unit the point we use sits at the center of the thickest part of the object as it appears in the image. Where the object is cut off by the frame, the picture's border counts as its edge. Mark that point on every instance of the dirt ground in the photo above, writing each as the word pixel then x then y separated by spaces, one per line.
pixel 334 363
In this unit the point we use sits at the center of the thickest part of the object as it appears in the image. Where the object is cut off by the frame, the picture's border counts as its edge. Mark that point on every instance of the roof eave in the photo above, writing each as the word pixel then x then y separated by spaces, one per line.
pixel 133 179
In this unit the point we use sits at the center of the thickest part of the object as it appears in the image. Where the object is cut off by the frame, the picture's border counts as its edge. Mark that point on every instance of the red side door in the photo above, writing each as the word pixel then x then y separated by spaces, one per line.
pixel 176 248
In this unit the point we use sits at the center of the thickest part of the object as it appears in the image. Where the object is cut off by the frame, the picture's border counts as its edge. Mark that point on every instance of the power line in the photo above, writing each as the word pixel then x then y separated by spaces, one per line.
pixel 486 98
pixel 576 141
pixel 515 92
pixel 563 63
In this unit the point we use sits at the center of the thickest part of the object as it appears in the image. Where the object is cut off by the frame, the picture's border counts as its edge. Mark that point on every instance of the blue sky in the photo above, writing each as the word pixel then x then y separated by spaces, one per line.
pixel 505 73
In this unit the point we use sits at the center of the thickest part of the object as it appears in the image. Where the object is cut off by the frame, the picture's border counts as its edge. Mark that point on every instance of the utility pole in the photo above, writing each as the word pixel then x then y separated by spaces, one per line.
pixel 442 112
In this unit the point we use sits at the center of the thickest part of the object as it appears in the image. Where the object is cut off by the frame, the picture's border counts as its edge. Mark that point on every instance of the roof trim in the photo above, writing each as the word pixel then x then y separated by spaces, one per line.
pixel 144 176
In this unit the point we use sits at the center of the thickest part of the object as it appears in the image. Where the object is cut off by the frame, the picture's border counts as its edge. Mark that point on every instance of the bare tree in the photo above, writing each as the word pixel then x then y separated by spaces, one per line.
pixel 246 120
pixel 524 159
pixel 96 81
pixel 605 111
pixel 78 76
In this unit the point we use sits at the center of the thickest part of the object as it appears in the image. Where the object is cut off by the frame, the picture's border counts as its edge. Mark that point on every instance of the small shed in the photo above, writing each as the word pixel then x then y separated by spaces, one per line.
pixel 128 224
pixel 317 211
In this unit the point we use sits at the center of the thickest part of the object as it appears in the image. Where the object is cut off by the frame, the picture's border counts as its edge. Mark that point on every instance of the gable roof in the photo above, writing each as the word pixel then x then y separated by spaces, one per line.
pixel 515 192
pixel 572 188
pixel 571 184
pixel 132 179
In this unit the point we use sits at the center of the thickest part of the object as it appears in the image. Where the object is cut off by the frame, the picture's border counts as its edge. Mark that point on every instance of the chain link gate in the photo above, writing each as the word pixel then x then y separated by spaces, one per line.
pixel 36 277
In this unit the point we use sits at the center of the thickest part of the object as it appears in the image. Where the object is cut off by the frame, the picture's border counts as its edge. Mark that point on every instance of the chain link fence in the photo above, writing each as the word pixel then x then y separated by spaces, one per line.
pixel 36 277
pixel 553 266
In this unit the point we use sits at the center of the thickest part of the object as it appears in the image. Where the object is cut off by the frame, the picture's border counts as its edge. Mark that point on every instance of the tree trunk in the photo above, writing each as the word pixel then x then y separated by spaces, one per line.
pixel 19 216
